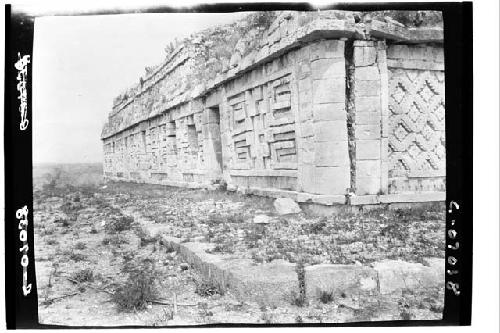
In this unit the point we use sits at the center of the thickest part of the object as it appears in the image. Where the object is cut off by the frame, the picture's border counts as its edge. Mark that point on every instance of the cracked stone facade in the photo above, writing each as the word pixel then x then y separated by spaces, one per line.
pixel 293 117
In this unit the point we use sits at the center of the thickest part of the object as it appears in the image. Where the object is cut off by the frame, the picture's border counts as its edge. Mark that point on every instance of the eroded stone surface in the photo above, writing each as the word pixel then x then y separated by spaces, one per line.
pixel 278 114
pixel 397 275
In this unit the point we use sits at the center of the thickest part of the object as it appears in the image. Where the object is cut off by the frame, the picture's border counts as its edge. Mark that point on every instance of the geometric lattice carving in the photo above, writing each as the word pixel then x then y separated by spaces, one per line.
pixel 263 127
pixel 416 129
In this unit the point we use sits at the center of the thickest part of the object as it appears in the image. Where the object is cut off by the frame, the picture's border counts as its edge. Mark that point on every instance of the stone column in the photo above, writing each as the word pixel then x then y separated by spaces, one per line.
pixel 369 113
pixel 324 158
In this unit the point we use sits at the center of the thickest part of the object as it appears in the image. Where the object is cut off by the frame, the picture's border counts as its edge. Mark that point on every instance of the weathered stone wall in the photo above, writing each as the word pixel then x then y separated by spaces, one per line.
pixel 319 113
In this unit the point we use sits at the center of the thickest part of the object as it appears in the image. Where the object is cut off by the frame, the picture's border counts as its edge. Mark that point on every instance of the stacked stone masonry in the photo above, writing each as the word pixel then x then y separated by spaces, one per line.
pixel 329 112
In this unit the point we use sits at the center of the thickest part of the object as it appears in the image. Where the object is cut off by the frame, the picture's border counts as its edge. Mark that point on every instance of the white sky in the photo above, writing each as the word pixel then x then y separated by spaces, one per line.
pixel 80 63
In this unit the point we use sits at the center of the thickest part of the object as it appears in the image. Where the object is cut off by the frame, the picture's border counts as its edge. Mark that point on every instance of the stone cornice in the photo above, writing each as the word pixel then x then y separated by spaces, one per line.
pixel 320 28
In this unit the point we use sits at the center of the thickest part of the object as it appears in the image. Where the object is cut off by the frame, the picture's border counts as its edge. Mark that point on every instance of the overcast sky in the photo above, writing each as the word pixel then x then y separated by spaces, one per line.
pixel 80 63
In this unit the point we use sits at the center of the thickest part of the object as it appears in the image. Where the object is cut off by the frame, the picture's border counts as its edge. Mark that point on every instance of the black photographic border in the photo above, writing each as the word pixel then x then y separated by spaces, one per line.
pixel 22 311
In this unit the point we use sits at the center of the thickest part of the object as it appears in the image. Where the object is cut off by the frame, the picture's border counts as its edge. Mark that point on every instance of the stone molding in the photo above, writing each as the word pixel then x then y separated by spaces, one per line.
pixel 320 28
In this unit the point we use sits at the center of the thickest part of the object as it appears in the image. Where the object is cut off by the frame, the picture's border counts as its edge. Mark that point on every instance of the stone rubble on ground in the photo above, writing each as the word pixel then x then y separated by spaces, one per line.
pixel 262 219
pixel 286 206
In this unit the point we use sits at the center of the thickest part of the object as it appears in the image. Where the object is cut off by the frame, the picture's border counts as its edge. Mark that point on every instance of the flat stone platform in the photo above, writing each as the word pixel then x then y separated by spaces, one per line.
pixel 273 283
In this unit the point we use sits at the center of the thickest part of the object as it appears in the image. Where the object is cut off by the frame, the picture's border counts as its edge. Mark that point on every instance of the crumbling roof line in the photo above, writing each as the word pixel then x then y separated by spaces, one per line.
pixel 320 28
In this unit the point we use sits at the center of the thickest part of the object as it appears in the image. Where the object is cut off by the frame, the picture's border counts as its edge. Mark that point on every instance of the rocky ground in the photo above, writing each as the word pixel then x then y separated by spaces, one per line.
pixel 250 227
pixel 96 266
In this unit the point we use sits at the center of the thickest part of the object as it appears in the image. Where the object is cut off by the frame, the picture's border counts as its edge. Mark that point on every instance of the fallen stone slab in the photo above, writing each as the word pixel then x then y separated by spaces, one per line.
pixel 286 206
pixel 262 219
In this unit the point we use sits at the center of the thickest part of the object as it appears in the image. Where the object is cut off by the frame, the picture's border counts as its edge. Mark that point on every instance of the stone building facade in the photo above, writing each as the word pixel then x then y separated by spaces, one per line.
pixel 324 110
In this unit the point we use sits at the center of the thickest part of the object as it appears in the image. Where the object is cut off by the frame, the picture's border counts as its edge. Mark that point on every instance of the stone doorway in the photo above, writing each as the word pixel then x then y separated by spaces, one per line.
pixel 214 123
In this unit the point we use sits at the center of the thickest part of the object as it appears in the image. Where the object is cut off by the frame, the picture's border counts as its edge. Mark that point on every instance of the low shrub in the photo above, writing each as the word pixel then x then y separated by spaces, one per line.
pixel 63 222
pixel 325 296
pixel 84 275
pixel 144 237
pixel 114 240
pixel 75 256
pixel 299 299
pixel 316 227
pixel 139 289
pixel 208 288
pixel 119 224
pixel 80 246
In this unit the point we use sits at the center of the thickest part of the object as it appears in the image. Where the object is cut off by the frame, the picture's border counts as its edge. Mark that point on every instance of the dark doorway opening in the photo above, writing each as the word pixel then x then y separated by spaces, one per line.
pixel 214 123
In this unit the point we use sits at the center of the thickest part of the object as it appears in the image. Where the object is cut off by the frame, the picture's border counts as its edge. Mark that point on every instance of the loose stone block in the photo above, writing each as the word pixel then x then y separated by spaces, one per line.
pixel 286 206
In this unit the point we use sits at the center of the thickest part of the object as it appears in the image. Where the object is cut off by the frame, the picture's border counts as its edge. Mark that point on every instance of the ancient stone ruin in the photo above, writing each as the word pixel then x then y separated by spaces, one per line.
pixel 326 107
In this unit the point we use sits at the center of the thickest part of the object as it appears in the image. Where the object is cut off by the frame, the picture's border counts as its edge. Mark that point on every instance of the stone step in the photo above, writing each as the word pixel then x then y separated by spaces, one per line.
pixel 272 284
